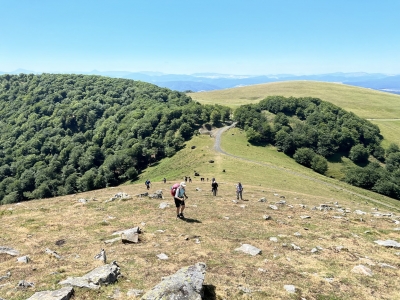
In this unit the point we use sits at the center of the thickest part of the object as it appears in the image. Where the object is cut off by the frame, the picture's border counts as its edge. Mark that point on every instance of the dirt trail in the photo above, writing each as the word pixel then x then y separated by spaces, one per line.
pixel 217 147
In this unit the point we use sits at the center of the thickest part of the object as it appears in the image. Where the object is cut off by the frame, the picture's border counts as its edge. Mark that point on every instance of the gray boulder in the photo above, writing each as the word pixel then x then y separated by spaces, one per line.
pixel 64 293
pixel 102 275
pixel 9 251
pixel 388 243
pixel 249 249
pixel 23 259
pixel 186 284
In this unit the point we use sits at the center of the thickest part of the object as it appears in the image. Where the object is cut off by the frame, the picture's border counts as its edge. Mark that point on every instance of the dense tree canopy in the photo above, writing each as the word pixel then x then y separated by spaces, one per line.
pixel 312 130
pixel 62 134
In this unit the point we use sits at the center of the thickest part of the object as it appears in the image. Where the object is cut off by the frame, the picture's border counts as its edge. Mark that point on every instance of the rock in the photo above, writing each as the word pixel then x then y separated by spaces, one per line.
pixel 359 212
pixel 60 242
pixel 162 256
pixel 298 234
pixel 101 256
pixel 193 147
pixel 130 236
pixel 187 283
pixel 295 247
pixel 52 253
pixel 245 290
pixel 266 217
pixel 363 270
pixel 273 239
pixel 305 217
pixel 82 200
pixel 23 259
pixel 64 293
pixel 133 229
pixel 242 206
pixel 135 293
pixel 263 199
pixel 249 249
pixel 198 189
pixel 9 251
pixel 112 240
pixel 235 201
pixel 25 284
pixel 5 276
pixel 281 202
pixel 365 260
pixel 388 243
pixel 384 265
pixel 145 194
pixel 340 248
pixel 163 205
pixel 290 288
pixel 314 250
pixel 103 275
pixel 273 207
pixel 211 161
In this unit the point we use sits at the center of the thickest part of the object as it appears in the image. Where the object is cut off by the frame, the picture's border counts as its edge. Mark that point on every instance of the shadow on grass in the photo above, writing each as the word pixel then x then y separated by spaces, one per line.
pixel 188 220
pixel 336 158
pixel 209 292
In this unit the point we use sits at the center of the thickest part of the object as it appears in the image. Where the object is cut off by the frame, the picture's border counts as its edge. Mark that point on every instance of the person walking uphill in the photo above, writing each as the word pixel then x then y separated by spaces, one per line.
pixel 239 191
pixel 179 198
pixel 214 187
pixel 147 183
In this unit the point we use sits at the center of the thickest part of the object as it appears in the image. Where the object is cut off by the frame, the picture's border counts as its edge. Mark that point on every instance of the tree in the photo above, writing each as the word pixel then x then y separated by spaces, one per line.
pixel 358 154
pixel 215 117
pixel 304 156
pixel 319 164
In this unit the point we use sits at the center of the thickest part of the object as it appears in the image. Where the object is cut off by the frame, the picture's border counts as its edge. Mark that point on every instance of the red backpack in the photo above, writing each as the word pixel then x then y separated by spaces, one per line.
pixel 174 188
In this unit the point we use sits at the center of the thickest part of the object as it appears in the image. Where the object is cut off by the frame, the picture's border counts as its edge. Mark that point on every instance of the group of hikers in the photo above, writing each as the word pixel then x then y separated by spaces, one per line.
pixel 179 193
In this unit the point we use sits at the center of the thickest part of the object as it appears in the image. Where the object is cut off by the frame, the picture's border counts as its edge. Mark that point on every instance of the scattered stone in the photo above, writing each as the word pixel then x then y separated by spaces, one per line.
pixel 337 217
pixel 363 270
pixel 314 250
pixel 276 195
pixel 330 280
pixel 211 161
pixel 302 206
pixel 274 207
pixel 384 265
pixel 23 259
pixel 226 218
pixel 157 195
pixel 160 231
pixel 102 275
pixel 297 234
pixel 261 270
pixel 397 253
pixel 282 197
pixel 367 261
pixel 9 251
pixel 267 217
pixel 101 256
pixel 291 206
pixel 340 248
pixel 60 242
pixel 305 217
pixel 263 199
pixel 295 247
pixel 145 194
pixel 25 284
pixel 163 205
pixel 245 290
pixel 187 283
pixel 359 212
pixel 397 229
pixel 198 189
pixel 273 239
pixel 82 200
pixel 52 253
pixel 193 147
pixel 64 293
pixel 162 256
pixel 281 202
pixel 135 293
pixel 290 288
pixel 249 249
pixel 5 276
pixel 197 241
pixel 130 236
pixel 388 243
pixel 235 201
pixel 112 240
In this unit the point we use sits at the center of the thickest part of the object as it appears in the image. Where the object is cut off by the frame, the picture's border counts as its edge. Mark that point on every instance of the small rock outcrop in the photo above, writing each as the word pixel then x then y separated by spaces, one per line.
pixel 102 275
pixel 249 249
pixel 363 270
pixel 388 243
pixel 186 284
pixel 101 256
pixel 9 251
pixel 64 293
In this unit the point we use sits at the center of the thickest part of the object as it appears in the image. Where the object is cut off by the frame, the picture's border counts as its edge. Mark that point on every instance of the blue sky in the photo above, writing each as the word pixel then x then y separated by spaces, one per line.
pixel 191 36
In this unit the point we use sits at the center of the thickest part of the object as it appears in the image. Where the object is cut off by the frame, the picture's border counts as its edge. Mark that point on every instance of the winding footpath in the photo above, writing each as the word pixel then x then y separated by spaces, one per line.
pixel 217 148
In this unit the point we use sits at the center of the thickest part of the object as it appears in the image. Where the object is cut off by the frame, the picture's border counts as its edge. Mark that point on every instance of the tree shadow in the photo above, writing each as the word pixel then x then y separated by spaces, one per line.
pixel 336 158
pixel 188 220
pixel 209 292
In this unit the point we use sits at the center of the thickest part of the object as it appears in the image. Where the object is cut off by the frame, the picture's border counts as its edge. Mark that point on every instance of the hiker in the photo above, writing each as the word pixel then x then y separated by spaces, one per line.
pixel 147 183
pixel 186 178
pixel 165 180
pixel 214 187
pixel 190 179
pixel 239 191
pixel 179 197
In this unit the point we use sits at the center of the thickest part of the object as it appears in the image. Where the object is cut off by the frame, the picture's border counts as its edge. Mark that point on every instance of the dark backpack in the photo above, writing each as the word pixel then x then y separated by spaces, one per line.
pixel 174 188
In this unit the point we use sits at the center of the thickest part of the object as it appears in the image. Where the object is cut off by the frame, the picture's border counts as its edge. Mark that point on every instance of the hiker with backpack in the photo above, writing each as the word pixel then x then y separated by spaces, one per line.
pixel 179 194
pixel 147 183
pixel 214 187
pixel 239 191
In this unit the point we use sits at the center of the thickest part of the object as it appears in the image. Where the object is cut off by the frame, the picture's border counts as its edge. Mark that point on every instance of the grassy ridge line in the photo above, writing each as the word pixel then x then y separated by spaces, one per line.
pixel 365 103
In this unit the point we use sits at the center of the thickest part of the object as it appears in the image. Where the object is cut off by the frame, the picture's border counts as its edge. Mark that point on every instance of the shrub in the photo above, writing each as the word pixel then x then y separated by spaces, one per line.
pixel 319 164
pixel 304 156
pixel 358 154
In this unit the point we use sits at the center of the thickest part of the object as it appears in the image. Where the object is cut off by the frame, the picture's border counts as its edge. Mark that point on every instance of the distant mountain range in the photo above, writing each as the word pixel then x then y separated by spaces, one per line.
pixel 214 81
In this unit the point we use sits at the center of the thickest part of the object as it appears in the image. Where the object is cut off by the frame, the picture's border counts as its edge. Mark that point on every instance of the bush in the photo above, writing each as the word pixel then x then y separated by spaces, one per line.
pixel 319 164
pixel 358 154
pixel 304 156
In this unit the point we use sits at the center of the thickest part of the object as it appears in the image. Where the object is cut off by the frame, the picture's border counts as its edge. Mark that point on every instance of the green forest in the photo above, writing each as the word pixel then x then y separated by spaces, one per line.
pixel 62 134
pixel 313 131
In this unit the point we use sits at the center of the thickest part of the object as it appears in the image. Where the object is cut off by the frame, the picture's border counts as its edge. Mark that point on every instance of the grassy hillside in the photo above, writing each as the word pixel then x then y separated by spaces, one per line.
pixel 365 103
pixel 219 224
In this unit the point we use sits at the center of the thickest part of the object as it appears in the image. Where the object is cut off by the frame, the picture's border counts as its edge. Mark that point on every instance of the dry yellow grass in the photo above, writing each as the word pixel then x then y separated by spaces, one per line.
pixel 221 226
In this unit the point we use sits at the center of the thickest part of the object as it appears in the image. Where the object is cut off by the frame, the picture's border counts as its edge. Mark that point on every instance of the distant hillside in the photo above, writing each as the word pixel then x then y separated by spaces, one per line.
pixel 61 134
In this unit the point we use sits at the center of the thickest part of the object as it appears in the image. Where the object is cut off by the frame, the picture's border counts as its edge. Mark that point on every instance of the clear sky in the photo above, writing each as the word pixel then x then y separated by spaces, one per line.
pixel 190 36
